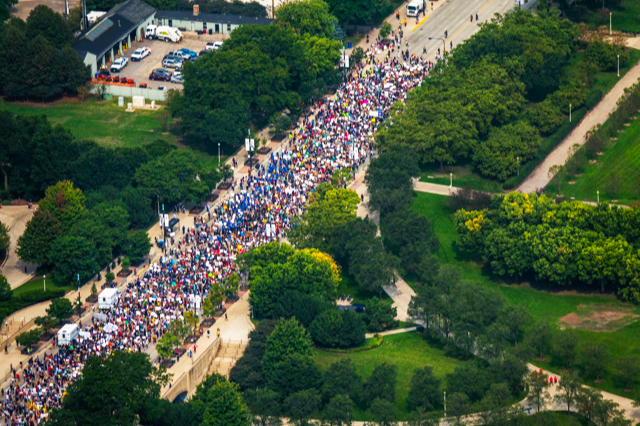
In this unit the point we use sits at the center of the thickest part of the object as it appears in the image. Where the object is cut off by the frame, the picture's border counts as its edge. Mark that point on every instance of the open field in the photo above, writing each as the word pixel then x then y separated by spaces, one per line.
pixel 406 351
pixel 620 160
pixel 625 16
pixel 543 305
pixel 38 284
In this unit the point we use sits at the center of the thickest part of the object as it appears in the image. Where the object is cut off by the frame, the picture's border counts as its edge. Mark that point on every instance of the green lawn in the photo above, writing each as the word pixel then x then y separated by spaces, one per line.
pixel 625 16
pixel 106 123
pixel 542 305
pixel 38 284
pixel 462 176
pixel 622 159
pixel 407 351
pixel 349 287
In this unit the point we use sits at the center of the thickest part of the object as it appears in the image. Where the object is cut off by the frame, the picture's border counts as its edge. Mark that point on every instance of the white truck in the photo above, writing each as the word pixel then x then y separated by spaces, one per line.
pixel 163 33
pixel 415 7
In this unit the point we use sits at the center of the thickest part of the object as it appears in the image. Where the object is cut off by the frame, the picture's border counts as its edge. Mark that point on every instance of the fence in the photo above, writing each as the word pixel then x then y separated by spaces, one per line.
pixel 129 92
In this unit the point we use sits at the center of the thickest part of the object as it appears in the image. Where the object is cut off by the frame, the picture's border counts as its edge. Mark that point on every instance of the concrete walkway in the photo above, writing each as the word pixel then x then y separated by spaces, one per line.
pixel 392 332
pixel 539 177
pixel 15 218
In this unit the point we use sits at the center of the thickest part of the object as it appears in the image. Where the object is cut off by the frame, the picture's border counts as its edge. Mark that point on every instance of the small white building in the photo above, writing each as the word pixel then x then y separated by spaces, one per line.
pixel 107 298
pixel 67 334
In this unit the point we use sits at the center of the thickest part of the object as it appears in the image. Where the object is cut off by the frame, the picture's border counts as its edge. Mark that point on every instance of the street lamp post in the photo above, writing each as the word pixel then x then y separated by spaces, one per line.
pixel 44 279
pixel 445 404
pixel 569 112
pixel 598 196
pixel 618 65
pixel 609 23
pixel 450 180
pixel 218 154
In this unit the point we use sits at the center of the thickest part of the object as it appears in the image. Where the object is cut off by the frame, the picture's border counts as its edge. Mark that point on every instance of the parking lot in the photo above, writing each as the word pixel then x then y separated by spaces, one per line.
pixel 139 71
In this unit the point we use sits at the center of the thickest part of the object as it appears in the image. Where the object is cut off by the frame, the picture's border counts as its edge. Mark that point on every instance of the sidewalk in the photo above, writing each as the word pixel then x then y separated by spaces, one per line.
pixel 15 218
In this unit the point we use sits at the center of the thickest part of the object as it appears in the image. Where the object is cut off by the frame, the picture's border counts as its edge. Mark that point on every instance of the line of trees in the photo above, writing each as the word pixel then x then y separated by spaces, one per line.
pixel 475 109
pixel 562 244
pixel 36 57
pixel 261 70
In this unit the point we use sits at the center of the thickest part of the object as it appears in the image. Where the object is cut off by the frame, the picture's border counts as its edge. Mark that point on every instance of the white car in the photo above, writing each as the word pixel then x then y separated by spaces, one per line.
pixel 214 46
pixel 177 79
pixel 119 64
pixel 140 54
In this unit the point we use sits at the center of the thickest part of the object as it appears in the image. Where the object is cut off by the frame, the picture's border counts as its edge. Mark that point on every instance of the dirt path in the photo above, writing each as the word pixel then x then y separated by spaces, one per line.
pixel 539 178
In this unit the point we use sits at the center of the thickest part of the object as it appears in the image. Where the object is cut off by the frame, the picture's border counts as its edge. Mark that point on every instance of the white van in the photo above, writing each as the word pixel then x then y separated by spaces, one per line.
pixel 107 298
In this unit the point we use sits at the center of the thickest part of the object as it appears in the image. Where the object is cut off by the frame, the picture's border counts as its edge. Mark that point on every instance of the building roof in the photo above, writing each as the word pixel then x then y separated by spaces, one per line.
pixel 211 17
pixel 134 10
pixel 102 36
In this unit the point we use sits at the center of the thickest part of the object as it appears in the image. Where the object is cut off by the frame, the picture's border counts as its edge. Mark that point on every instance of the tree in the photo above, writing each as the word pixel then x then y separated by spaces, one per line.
pixel 230 284
pixel 126 263
pixel 469 378
pixel 494 409
pixel 288 338
pixel 515 318
pixel 330 209
pixel 5 289
pixel 295 373
pixel 219 403
pixel 627 371
pixel 192 320
pixel 341 378
pixel 565 348
pixel 383 412
pixel 46 323
pixel 424 390
pixel 300 406
pixel 280 123
pixel 29 338
pixel 595 359
pixel 568 389
pixel 539 336
pixel 608 412
pixel 586 401
pixel 385 30
pixel 116 387
pixel 338 329
pixel 538 394
pixel 43 21
pixel 381 384
pixel 65 203
pixel 458 404
pixel 339 411
pixel 73 255
pixel 166 344
pixel 5 240
pixel 34 245
pixel 212 302
pixel 168 178
pixel 137 245
pixel 264 405
pixel 60 309
pixel 614 183
pixel 310 17
pixel 141 214
pixel 109 277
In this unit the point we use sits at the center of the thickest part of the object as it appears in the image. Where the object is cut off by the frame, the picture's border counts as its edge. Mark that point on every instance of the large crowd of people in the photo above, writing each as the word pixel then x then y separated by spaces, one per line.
pixel 334 134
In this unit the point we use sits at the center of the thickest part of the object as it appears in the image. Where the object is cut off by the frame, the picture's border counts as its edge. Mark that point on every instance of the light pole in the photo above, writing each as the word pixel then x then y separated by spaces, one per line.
pixel 218 154
pixel 609 23
pixel 450 180
pixel 518 161
pixel 618 65
pixel 44 279
pixel 569 112
pixel 445 404
pixel 598 196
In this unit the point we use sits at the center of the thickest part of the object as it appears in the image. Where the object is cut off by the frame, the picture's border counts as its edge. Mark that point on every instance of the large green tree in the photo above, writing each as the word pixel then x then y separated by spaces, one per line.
pixel 288 338
pixel 42 20
pixel 65 203
pixel 114 389
pixel 308 17
pixel 218 402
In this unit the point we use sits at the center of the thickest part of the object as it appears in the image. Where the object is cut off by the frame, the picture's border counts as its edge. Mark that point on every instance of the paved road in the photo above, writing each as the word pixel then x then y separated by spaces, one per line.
pixel 15 218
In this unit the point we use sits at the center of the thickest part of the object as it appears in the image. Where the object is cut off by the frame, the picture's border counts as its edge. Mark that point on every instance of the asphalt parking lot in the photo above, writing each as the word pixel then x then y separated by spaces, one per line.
pixel 139 71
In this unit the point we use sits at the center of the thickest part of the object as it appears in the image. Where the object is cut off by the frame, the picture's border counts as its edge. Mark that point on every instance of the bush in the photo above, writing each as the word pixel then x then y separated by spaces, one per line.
pixel 334 329
pixel 380 315
pixel 593 98
pixel 29 338
pixel 605 55
pixel 545 116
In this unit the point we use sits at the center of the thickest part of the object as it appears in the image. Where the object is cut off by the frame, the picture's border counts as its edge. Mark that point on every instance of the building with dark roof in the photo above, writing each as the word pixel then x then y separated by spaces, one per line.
pixel 209 22
pixel 121 26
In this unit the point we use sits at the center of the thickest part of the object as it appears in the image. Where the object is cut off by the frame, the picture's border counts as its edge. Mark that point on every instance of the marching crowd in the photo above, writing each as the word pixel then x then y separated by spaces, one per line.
pixel 335 134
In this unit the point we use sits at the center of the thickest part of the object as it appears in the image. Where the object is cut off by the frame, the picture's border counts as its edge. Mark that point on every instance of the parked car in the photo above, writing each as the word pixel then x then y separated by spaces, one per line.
pixel 180 54
pixel 172 63
pixel 188 52
pixel 163 88
pixel 179 79
pixel 172 56
pixel 119 64
pixel 140 54
pixel 160 74
pixel 214 46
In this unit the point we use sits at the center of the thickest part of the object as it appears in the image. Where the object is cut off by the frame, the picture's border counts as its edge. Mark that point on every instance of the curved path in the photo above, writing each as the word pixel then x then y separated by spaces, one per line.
pixel 539 177
pixel 15 218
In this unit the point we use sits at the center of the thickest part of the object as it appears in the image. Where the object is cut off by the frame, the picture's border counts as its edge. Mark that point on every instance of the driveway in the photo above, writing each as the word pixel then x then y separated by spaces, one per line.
pixel 15 218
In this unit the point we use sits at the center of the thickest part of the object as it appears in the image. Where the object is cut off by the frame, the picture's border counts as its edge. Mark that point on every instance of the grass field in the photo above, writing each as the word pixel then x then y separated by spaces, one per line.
pixel 407 351
pixel 621 159
pixel 349 287
pixel 625 16
pixel 106 123
pixel 542 305
pixel 462 176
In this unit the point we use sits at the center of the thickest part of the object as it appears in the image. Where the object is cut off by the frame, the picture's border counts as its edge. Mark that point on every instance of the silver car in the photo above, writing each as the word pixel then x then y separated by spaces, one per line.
pixel 172 63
